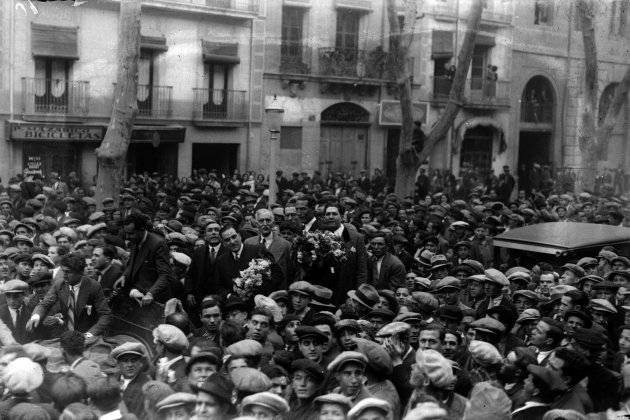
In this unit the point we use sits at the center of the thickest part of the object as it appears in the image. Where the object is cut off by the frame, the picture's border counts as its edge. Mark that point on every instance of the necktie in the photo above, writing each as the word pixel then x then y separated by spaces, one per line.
pixel 213 255
pixel 71 305
pixel 99 274
pixel 17 318
pixel 235 256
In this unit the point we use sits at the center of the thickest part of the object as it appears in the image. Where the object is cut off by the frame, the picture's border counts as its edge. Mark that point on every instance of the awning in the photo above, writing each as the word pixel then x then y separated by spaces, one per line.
pixel 476 122
pixel 442 46
pixel 161 134
pixel 220 52
pixel 485 40
pixel 360 6
pixel 296 3
pixel 54 41
pixel 156 43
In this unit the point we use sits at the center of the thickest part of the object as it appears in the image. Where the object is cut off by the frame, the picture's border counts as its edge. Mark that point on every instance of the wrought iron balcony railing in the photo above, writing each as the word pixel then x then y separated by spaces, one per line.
pixel 478 91
pixel 155 101
pixel 238 5
pixel 220 104
pixel 55 96
pixel 355 63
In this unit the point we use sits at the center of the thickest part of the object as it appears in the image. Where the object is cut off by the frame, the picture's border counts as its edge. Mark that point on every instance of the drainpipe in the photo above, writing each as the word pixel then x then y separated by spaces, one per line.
pixel 251 78
pixel 11 81
pixel 565 93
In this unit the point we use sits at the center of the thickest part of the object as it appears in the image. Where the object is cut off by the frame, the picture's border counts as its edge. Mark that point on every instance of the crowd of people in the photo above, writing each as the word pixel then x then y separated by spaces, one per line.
pixel 339 300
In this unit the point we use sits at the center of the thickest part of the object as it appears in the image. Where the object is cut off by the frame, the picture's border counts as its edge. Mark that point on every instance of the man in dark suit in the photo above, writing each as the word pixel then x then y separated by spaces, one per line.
pixel 278 247
pixel 201 279
pixel 131 358
pixel 237 259
pixel 80 301
pixel 347 275
pixel 17 310
pixel 149 274
pixel 385 271
pixel 106 272
pixel 305 208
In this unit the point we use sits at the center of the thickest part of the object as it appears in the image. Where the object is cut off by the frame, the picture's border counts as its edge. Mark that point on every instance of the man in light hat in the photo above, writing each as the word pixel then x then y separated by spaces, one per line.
pixel 179 405
pixel 370 409
pixel 265 405
pixel 170 344
pixel 132 360
pixel 301 294
pixel 349 370
pixel 395 338
pixel 16 310
pixel 494 283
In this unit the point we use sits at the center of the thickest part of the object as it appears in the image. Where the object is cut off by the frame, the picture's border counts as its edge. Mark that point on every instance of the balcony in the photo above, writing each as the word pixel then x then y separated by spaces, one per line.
pixel 536 112
pixel 55 97
pixel 155 101
pixel 352 63
pixel 494 17
pixel 220 107
pixel 445 11
pixel 295 60
pixel 478 92
pixel 235 5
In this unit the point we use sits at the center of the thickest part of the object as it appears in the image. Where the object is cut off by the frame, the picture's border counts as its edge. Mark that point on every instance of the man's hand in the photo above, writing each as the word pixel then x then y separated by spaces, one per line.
pixel 137 295
pixel 395 349
pixel 119 283
pixel 191 301
pixel 51 321
pixel 147 300
pixel 32 323
pixel 90 339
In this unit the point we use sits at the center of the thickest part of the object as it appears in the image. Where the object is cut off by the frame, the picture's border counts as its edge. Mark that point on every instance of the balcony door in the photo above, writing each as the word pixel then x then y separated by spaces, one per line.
pixel 146 70
pixel 346 54
pixel 291 60
pixel 217 76
pixel 51 85
pixel 478 66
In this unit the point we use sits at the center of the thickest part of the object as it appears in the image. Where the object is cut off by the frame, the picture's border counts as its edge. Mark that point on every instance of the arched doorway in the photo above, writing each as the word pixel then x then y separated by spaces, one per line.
pixel 614 151
pixel 536 124
pixel 343 140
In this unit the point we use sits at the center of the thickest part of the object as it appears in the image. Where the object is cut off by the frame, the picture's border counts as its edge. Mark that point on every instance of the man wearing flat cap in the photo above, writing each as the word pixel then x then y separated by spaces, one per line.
pixel 16 310
pixel 349 370
pixel 179 405
pixel 265 405
pixel 170 344
pixel 385 271
pixel 132 360
pixel 308 378
pixel 541 388
pixel 311 343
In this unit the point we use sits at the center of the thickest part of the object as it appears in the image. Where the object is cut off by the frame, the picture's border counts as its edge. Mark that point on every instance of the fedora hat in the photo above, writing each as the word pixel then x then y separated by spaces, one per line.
pixel 365 294
pixel 322 298
pixel 439 261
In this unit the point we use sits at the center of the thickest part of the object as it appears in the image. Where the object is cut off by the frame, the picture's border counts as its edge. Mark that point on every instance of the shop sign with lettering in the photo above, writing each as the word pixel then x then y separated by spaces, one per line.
pixel 39 132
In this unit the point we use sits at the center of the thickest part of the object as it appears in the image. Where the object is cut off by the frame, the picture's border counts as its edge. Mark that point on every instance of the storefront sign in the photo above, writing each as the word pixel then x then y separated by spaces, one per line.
pixel 33 165
pixel 391 115
pixel 49 132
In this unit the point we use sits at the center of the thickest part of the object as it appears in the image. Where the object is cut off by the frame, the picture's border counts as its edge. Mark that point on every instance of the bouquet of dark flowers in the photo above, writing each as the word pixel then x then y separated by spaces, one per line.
pixel 319 248
pixel 250 280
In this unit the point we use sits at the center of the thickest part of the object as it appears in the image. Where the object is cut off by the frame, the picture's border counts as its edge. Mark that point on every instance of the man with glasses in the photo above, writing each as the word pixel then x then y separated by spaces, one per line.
pixel 385 271
pixel 274 243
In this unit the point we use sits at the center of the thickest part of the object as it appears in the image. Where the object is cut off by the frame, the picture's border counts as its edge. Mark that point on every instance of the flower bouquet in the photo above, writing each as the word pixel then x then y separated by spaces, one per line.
pixel 321 248
pixel 250 280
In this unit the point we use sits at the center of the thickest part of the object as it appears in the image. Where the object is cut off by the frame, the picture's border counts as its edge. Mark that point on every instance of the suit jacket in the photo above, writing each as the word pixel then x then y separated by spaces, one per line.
pixel 353 272
pixel 280 248
pixel 109 277
pixel 392 273
pixel 92 314
pixel 149 268
pixel 228 268
pixel 134 404
pixel 202 277
pixel 19 331
pixel 400 377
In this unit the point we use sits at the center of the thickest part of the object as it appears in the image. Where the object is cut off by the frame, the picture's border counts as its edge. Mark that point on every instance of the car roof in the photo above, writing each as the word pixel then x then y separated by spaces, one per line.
pixel 556 238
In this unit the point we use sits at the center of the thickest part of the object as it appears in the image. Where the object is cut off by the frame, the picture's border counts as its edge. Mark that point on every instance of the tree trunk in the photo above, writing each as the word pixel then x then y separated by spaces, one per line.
pixel 113 150
pixel 409 160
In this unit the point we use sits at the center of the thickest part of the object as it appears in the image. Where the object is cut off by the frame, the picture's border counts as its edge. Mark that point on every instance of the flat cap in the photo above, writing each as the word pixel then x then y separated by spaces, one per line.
pixel 408 317
pixel 177 399
pixel 217 386
pixel 575 269
pixel 307 331
pixel 602 305
pixel 448 282
pixel 393 329
pixel 589 338
pixel 244 348
pixel 43 258
pixel 347 357
pixel 279 295
pixel 423 283
pixel 268 400
pixel 485 354
pixel 309 367
pixel 338 399
pixel 530 314
pixel 367 404
pixel 22 238
pixel 587 261
pixel 520 275
pixel 528 294
pixel 14 286
pixel 588 322
pixel 450 312
pixel 350 324
pixel 378 358
pixel 489 325
pixel 251 380
pixel 96 228
pixel 302 287
pixel 129 348
pixel 22 375
pixel 436 367
pixel 591 277
pixel 495 276
pixel 427 302
pixel 171 336
pixel 382 313
pixel 606 285
pixel 551 378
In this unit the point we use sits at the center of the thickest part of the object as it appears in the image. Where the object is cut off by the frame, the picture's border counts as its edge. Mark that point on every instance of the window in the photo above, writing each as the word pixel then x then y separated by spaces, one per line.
pixel 291 137
pixel 543 12
pixel 51 84
pixel 347 30
pixel 477 66
pixel 619 18
pixel 291 44
pixel 217 76
pixel 146 69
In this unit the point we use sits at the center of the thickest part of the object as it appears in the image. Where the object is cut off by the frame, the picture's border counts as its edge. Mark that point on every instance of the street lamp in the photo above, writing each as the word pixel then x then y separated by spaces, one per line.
pixel 274 114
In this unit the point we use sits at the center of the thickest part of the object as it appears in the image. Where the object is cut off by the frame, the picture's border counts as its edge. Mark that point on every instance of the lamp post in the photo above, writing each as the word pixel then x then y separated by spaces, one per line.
pixel 274 114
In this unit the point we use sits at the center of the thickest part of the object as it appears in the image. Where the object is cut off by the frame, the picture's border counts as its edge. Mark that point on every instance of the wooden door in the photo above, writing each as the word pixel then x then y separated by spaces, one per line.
pixel 343 149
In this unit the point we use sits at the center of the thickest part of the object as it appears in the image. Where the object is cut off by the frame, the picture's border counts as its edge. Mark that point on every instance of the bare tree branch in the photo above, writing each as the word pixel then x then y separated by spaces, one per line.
pixel 608 124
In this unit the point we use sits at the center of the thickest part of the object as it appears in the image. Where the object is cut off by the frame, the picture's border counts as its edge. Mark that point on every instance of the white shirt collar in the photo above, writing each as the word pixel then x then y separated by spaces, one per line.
pixel 339 231
pixel 172 362
pixel 112 415
pixel 310 224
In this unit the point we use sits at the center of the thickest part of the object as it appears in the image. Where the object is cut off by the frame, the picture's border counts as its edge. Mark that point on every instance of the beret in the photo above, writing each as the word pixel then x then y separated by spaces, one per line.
pixel 393 329
pixel 346 357
pixel 170 336
pixel 485 354
pixel 175 400
pixel 448 282
pixel 495 276
pixel 251 380
pixel 244 348
pixel 338 399
pixel 378 358
pixel 269 400
pixel 22 375
pixel 489 325
pixel 436 367
pixel 602 305
pixel 302 287
pixel 528 315
pixel 129 348
pixel 369 403
pixel 351 324
pixel 310 367
pixel 306 331
pixel 14 286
